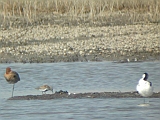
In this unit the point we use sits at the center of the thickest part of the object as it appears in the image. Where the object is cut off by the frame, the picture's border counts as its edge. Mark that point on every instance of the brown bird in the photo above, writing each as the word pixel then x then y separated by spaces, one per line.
pixel 11 77
pixel 45 88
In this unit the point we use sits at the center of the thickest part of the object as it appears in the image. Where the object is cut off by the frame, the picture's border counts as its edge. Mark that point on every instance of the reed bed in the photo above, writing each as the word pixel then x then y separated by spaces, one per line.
pixel 93 10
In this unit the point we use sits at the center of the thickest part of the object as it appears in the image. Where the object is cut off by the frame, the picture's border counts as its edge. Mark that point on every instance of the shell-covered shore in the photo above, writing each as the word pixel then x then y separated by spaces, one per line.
pixel 57 43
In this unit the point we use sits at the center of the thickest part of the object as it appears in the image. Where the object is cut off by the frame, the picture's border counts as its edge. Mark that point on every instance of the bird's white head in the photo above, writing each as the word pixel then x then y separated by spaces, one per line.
pixel 145 76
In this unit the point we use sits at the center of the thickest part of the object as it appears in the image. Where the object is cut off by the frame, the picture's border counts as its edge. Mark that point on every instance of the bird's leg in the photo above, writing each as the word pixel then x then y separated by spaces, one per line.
pixel 12 90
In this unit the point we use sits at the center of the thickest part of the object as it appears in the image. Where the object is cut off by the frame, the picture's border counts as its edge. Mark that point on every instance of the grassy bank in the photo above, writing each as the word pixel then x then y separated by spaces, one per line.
pixel 107 12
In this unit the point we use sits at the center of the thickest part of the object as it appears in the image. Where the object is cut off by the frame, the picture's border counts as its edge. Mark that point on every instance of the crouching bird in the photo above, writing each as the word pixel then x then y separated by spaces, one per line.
pixel 11 77
pixel 45 88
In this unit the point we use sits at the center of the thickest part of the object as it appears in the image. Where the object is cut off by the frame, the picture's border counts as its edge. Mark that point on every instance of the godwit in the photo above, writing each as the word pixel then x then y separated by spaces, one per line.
pixel 144 87
pixel 45 88
pixel 11 77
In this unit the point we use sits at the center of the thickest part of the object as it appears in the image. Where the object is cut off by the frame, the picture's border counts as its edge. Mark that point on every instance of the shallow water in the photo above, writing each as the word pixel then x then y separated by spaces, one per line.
pixel 75 78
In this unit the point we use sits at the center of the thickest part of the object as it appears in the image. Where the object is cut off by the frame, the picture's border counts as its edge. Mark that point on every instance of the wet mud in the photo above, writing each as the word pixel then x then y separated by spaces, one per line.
pixel 66 95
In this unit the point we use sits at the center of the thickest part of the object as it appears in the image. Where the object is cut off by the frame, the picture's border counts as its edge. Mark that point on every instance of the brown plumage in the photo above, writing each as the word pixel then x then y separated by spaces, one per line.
pixel 45 88
pixel 11 77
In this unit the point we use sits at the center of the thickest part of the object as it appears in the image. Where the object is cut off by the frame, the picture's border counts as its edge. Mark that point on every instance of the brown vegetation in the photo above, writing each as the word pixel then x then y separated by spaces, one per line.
pixel 134 11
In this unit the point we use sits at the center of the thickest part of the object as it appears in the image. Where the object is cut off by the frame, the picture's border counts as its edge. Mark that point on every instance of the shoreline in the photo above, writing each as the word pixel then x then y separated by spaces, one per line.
pixel 56 43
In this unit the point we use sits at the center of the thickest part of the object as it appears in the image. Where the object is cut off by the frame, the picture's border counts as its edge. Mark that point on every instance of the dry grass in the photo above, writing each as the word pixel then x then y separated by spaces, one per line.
pixel 31 10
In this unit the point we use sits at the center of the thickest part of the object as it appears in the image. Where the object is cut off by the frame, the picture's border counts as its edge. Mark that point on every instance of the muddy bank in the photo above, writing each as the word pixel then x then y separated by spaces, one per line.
pixel 83 95
pixel 115 57
pixel 55 43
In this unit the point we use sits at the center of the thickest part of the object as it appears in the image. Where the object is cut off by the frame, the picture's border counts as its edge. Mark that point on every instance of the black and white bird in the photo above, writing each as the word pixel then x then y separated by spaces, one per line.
pixel 145 87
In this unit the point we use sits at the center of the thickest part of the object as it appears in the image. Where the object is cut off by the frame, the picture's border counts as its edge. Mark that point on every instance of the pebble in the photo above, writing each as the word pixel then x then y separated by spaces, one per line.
pixel 55 43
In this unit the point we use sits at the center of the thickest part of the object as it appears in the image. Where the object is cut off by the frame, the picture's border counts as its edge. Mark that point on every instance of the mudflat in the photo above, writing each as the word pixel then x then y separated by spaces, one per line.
pixel 70 43
pixel 61 95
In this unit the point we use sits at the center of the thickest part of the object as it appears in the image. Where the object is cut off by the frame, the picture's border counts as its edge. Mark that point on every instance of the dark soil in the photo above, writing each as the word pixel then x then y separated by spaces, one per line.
pixel 62 95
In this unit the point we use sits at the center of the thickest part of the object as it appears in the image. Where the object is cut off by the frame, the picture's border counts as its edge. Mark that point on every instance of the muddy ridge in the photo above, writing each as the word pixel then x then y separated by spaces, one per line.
pixel 66 95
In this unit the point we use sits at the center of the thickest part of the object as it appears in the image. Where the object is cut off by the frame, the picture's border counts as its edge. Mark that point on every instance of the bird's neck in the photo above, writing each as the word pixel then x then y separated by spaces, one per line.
pixel 8 71
pixel 141 81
